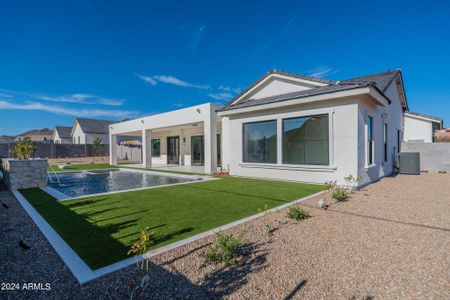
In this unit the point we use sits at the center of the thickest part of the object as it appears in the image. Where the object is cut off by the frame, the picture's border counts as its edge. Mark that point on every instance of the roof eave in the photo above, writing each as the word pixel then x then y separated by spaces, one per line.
pixel 360 90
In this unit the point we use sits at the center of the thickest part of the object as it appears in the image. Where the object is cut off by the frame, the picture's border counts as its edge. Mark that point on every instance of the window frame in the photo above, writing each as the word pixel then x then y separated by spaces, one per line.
pixel 385 141
pixel 370 143
pixel 153 153
pixel 276 142
pixel 327 115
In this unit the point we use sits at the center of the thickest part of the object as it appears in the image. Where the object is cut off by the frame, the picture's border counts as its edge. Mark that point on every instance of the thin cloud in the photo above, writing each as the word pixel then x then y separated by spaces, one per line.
pixel 197 37
pixel 146 79
pixel 229 89
pixel 168 79
pixel 221 96
pixel 82 99
pixel 78 98
pixel 6 95
pixel 60 110
pixel 321 71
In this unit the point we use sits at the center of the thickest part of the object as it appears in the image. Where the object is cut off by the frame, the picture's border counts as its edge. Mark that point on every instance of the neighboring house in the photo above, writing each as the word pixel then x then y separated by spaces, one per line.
pixel 443 135
pixel 284 126
pixel 420 128
pixel 37 135
pixel 61 135
pixel 5 139
pixel 85 131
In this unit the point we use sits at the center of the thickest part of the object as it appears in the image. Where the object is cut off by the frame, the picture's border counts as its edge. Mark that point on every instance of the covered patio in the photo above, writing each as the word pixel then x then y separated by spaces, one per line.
pixel 185 140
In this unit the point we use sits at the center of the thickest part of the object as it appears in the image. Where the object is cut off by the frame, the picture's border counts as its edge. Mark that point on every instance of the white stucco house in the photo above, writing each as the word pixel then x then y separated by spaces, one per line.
pixel 61 135
pixel 284 126
pixel 85 131
pixel 420 128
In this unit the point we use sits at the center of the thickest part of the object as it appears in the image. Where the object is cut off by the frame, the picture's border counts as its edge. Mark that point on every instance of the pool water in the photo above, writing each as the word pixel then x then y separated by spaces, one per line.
pixel 76 184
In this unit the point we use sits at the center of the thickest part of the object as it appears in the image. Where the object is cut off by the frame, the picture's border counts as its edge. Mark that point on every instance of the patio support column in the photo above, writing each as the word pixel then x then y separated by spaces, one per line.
pixel 146 148
pixel 225 145
pixel 113 150
pixel 210 140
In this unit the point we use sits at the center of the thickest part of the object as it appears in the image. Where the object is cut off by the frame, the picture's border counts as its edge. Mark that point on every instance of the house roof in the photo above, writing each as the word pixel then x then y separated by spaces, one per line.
pixel 435 119
pixel 63 131
pixel 35 132
pixel 379 81
pixel 94 125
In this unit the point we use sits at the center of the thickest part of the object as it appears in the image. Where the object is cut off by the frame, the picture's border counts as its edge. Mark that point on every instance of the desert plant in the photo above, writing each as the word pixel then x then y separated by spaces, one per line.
pixel 297 213
pixel 340 194
pixel 24 148
pixel 141 247
pixel 351 182
pixel 97 146
pixel 225 249
pixel 265 212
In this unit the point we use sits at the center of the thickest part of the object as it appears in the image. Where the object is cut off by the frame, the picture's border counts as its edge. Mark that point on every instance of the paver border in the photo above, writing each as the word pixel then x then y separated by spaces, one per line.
pixel 83 273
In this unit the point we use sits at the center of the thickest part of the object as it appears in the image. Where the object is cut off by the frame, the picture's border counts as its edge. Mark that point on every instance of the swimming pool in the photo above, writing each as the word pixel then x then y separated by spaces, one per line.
pixel 78 184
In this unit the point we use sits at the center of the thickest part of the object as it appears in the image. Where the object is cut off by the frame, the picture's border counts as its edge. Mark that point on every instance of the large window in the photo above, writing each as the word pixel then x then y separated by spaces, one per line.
pixel 156 148
pixel 305 140
pixel 370 144
pixel 260 142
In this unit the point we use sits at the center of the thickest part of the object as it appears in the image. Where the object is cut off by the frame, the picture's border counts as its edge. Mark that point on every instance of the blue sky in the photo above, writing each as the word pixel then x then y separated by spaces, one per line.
pixel 123 59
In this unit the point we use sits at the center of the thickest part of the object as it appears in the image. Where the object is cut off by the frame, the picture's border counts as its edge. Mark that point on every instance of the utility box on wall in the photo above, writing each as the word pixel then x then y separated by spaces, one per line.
pixel 24 173
pixel 409 163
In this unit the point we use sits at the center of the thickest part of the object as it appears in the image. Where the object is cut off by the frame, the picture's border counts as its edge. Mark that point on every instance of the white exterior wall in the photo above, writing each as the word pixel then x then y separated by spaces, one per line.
pixel 78 133
pixel 58 140
pixel 394 119
pixel 417 130
pixel 343 139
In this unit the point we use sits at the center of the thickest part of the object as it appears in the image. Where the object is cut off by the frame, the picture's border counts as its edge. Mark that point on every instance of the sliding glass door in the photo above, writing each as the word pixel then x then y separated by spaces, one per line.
pixel 197 150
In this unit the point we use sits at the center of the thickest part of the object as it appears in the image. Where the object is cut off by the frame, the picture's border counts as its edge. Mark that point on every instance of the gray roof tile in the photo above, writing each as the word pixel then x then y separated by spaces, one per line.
pixel 63 131
pixel 94 126
pixel 380 81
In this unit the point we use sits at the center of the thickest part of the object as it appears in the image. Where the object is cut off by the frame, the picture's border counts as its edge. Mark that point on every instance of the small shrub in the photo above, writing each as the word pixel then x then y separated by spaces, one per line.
pixel 24 148
pixel 140 248
pixel 297 213
pixel 225 249
pixel 340 194
pixel 351 182
pixel 266 225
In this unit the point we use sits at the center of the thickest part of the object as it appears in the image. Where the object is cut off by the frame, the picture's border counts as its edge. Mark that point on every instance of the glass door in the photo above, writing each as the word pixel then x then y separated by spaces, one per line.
pixel 173 150
pixel 197 150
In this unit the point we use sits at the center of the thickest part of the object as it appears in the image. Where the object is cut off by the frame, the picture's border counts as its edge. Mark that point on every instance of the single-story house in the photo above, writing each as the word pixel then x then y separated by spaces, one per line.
pixel 85 131
pixel 420 128
pixel 61 135
pixel 283 126
pixel 37 135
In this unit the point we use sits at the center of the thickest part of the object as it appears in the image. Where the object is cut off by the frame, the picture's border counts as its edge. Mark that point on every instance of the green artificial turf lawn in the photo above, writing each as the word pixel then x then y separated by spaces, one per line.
pixel 101 229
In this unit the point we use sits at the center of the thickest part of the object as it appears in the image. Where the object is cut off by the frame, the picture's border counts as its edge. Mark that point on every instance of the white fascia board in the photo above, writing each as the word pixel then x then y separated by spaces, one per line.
pixel 184 116
pixel 422 118
pixel 310 99
pixel 299 80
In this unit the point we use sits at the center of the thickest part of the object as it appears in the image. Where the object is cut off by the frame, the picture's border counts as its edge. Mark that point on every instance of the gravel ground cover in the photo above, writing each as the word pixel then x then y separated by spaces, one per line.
pixel 390 240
